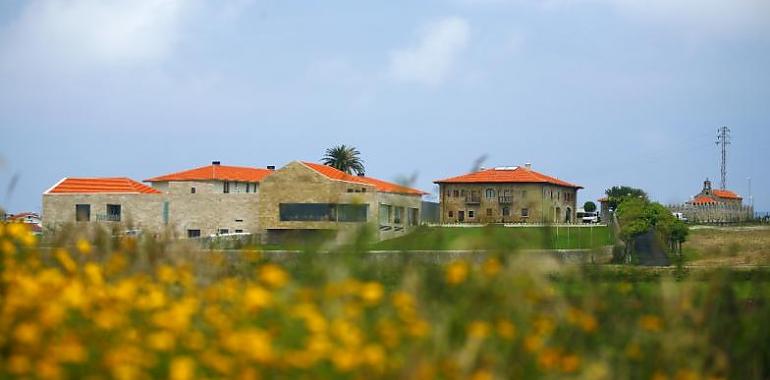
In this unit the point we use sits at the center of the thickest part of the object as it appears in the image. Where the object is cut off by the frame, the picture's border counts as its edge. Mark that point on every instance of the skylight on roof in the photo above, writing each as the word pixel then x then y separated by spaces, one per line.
pixel 506 168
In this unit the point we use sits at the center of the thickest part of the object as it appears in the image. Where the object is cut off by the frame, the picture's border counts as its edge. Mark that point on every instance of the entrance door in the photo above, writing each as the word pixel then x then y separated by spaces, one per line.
pixel 461 216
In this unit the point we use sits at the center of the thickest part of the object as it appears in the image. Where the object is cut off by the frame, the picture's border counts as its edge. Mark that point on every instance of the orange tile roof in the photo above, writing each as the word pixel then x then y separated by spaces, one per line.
pixel 216 172
pixel 508 175
pixel 121 185
pixel 380 185
pixel 702 200
pixel 726 194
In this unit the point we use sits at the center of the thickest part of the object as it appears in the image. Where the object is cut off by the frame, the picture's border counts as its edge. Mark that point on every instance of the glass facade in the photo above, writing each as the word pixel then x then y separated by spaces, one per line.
pixel 323 212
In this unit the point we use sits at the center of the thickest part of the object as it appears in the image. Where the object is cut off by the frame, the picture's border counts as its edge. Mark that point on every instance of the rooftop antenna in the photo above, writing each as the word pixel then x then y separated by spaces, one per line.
pixel 723 140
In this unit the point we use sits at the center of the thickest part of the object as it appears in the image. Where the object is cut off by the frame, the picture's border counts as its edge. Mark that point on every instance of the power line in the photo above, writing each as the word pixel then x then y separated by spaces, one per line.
pixel 723 140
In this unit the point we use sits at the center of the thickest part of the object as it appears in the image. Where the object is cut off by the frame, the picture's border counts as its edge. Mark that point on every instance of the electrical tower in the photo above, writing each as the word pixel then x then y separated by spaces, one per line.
pixel 723 140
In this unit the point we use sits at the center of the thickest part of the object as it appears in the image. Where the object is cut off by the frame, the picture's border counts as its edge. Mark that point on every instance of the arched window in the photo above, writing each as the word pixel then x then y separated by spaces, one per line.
pixel 490 193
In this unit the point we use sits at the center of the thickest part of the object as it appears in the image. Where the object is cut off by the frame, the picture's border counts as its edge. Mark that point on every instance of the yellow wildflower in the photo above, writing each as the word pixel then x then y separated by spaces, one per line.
pixel 651 323
pixel 256 297
pixel 549 359
pixel 506 330
pixel 371 293
pixel 273 275
pixel 482 374
pixel 83 246
pixel 374 356
pixel 27 333
pixel 478 329
pixel 64 259
pixel 182 368
pixel 161 341
pixel 457 272
pixel 18 365
pixel 533 343
pixel 94 274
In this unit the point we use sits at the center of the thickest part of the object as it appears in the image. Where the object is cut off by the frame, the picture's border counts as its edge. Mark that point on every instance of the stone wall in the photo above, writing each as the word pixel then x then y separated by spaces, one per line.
pixel 714 213
pixel 545 203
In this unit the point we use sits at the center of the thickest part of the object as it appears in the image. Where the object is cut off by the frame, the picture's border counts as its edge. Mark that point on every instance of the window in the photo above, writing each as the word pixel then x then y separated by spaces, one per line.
pixel 456 193
pixel 490 193
pixel 399 215
pixel 352 213
pixel 82 213
pixel 226 187
pixel 238 231
pixel 192 234
pixel 506 211
pixel 471 213
pixel 363 189
pixel 307 212
pixel 350 190
pixel 113 213
pixel 462 193
pixel 223 231
pixel 413 216
pixel 489 212
pixel 238 220
pixel 165 212
pixel 192 190
pixel 385 214
pixel 248 187
pixel 451 214
pixel 524 212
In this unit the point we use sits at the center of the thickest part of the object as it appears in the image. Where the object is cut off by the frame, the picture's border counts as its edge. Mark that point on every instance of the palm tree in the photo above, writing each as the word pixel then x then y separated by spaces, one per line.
pixel 344 158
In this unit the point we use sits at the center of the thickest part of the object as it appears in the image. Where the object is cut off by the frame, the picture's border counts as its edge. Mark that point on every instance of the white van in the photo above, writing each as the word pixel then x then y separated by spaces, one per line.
pixel 680 216
pixel 589 217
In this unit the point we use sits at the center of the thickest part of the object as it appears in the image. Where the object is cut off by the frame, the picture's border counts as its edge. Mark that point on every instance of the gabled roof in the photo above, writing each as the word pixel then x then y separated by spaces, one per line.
pixel 515 174
pixel 703 200
pixel 380 185
pixel 216 172
pixel 725 194
pixel 120 185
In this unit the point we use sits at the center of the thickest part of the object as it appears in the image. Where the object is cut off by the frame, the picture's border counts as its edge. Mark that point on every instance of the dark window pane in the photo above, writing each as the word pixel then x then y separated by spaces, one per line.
pixel 113 213
pixel 83 213
pixel 307 212
pixel 352 213
pixel 193 234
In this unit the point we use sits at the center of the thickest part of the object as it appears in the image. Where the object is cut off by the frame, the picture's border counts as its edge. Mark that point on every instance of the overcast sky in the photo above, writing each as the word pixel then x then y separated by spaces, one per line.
pixel 597 92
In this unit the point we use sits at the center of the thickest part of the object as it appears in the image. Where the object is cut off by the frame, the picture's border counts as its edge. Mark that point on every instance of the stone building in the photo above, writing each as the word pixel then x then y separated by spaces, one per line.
pixel 212 200
pixel 305 198
pixel 108 201
pixel 218 199
pixel 714 206
pixel 507 195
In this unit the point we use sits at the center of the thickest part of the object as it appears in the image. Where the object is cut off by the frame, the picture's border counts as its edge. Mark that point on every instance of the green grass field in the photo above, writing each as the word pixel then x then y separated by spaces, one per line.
pixel 500 238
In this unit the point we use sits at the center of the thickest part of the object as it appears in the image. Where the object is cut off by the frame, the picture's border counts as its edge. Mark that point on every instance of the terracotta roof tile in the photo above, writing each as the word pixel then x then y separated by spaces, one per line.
pixel 508 175
pixel 726 194
pixel 216 172
pixel 121 185
pixel 703 200
pixel 380 185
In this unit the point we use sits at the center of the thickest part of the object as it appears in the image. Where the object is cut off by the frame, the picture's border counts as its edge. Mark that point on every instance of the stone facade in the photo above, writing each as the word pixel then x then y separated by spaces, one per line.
pixel 296 183
pixel 487 203
pixel 208 210
pixel 137 211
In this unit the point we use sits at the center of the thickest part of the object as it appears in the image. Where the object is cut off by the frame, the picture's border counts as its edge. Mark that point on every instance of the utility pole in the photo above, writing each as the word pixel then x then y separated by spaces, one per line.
pixel 723 140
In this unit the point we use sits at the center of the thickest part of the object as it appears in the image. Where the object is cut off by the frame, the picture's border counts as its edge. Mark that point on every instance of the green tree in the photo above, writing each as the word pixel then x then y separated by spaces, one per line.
pixel 344 158
pixel 617 194
pixel 637 216
pixel 589 206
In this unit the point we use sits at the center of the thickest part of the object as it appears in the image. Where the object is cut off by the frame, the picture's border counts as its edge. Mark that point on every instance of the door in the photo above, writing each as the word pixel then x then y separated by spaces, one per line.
pixel 461 216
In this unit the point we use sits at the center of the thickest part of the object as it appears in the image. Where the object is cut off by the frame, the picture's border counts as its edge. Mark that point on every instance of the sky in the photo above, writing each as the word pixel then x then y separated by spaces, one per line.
pixel 596 92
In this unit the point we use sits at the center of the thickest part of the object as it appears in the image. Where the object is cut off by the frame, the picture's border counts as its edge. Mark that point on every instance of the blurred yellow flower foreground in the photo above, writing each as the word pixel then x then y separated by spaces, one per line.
pixel 125 309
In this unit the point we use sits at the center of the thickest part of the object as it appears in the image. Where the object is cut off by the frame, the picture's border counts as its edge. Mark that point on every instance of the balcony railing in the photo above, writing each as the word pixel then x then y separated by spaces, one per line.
pixel 108 218
pixel 473 200
pixel 505 200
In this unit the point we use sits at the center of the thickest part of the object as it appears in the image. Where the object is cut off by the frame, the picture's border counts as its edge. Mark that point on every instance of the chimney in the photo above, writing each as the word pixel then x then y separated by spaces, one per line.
pixel 361 175
pixel 270 167
pixel 528 165
pixel 216 163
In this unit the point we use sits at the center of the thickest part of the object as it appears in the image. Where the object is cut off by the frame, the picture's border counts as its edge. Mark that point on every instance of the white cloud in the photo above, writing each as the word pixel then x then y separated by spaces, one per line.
pixel 88 32
pixel 432 58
